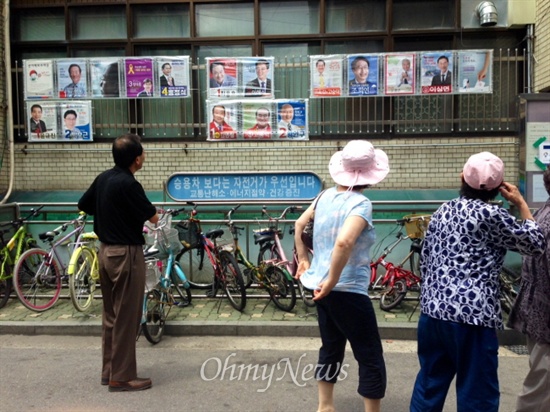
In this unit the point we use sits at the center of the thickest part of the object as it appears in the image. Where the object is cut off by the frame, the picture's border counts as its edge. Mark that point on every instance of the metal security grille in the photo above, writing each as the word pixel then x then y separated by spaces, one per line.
pixel 328 118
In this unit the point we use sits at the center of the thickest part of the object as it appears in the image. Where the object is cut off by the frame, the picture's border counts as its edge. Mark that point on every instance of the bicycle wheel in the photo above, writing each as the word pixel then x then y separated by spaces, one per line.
pixel 307 295
pixel 268 251
pixel 37 280
pixel 415 259
pixel 184 294
pixel 232 280
pixel 197 268
pixel 81 281
pixel 509 287
pixel 280 288
pixel 392 296
pixel 155 315
pixel 5 291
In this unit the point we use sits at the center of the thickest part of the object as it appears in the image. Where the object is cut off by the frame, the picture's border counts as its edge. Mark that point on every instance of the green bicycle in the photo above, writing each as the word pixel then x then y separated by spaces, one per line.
pixel 12 250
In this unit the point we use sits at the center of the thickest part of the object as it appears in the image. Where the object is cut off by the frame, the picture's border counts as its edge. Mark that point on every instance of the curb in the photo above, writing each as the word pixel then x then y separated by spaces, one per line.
pixel 393 331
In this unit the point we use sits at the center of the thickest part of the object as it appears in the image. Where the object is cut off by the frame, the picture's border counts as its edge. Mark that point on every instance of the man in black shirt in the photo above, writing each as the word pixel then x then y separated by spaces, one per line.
pixel 120 208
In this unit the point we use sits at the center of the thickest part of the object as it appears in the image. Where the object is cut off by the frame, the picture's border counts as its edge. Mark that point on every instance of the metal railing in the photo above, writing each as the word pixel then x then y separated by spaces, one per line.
pixel 335 117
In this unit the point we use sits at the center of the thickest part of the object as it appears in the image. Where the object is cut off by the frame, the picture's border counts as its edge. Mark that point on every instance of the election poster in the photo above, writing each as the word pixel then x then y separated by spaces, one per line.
pixel 363 74
pixel 257 77
pixel 436 72
pixel 105 77
pixel 326 74
pixel 223 78
pixel 38 78
pixel 72 79
pixel 76 121
pixel 400 74
pixel 223 120
pixel 292 119
pixel 173 76
pixel 475 74
pixel 42 121
pixel 138 76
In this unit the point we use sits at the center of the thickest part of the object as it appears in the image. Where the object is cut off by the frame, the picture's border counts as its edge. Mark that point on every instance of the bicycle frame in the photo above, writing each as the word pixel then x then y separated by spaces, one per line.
pixel 17 241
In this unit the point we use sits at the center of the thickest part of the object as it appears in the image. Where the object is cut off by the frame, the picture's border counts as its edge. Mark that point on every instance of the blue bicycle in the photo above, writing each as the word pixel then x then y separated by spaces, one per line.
pixel 163 274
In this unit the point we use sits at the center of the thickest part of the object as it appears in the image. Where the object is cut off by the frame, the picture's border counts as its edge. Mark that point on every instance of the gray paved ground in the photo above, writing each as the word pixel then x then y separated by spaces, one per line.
pixel 50 370
pixel 207 373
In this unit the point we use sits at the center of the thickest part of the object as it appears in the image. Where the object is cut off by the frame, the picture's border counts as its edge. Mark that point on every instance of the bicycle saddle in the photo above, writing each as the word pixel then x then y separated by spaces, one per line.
pixel 214 233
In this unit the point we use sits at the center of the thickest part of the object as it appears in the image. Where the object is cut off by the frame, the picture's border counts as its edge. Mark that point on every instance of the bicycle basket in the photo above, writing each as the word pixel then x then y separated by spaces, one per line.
pixel 416 225
pixel 168 242
pixel 189 234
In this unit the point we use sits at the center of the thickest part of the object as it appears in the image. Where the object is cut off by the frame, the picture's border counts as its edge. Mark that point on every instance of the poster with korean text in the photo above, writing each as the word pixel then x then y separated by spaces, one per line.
pixel 223 78
pixel 326 75
pixel 76 122
pixel 436 72
pixel 139 77
pixel 72 79
pixel 173 76
pixel 400 74
pixel 42 121
pixel 223 120
pixel 38 78
pixel 105 77
pixel 257 77
pixel 363 74
pixel 475 74
pixel 292 119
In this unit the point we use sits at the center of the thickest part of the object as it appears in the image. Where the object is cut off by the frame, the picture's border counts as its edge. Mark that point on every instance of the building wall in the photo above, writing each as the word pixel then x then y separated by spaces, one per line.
pixel 542 46
pixel 419 163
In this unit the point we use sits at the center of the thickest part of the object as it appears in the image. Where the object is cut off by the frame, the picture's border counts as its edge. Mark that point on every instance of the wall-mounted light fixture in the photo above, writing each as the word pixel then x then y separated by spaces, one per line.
pixel 488 15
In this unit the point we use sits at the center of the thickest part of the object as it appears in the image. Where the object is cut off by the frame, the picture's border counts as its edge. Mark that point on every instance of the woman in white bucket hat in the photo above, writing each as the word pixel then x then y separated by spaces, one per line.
pixel 339 273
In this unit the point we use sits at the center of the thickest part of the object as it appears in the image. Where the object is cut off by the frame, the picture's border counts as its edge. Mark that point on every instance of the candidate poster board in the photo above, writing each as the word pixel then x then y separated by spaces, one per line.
pixel 257 119
pixel 139 80
pixel 326 74
pixel 363 74
pixel 173 76
pixel 105 75
pixel 436 71
pixel 400 74
pixel 38 80
pixel 237 77
pixel 475 71
pixel 42 121
pixel 72 78
pixel 75 119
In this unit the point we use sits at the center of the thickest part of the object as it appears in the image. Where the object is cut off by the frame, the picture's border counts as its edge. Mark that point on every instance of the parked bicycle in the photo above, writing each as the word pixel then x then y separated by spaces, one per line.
pixel 163 272
pixel 397 281
pixel 83 271
pixel 271 250
pixel 267 275
pixel 305 294
pixel 221 270
pixel 38 273
pixel 509 288
pixel 12 250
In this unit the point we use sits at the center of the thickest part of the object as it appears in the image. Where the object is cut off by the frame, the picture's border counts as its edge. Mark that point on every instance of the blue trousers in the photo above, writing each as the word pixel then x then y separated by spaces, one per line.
pixel 446 349
pixel 344 316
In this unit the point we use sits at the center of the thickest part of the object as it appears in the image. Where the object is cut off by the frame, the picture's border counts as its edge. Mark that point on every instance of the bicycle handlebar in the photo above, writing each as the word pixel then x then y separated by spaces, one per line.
pixel 20 220
pixel 290 209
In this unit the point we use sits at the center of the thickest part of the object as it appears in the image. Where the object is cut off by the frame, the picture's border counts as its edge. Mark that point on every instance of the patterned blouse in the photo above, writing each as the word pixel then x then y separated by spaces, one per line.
pixel 531 312
pixel 462 257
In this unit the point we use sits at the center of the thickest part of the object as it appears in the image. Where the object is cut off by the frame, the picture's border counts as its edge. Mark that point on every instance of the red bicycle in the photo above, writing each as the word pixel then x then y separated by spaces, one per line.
pixel 397 281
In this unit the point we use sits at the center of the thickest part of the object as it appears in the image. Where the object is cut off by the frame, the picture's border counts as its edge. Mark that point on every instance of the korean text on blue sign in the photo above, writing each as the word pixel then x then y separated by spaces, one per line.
pixel 250 186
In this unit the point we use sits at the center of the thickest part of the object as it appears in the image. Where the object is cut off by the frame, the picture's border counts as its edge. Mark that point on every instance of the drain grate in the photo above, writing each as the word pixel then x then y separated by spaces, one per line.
pixel 518 349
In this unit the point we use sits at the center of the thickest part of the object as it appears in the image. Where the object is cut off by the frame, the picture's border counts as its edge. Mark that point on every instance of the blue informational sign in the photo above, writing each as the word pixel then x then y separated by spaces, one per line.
pixel 251 186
